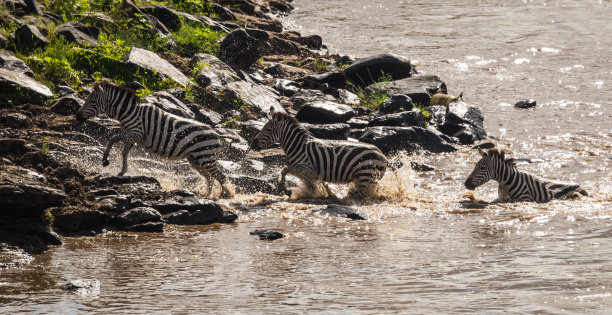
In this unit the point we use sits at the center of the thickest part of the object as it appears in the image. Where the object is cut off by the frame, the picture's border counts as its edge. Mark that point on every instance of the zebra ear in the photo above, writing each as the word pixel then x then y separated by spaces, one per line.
pixel 482 152
pixel 271 111
pixel 97 87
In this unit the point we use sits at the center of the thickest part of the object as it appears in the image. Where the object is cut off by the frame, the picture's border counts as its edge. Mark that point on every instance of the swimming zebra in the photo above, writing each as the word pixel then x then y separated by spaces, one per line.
pixel 312 159
pixel 158 131
pixel 514 184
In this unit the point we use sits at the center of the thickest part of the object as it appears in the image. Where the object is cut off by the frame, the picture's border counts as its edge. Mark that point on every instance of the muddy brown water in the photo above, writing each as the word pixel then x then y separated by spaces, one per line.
pixel 430 247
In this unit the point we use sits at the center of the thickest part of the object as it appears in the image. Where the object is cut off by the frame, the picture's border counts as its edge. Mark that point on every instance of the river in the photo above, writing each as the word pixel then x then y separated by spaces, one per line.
pixel 430 247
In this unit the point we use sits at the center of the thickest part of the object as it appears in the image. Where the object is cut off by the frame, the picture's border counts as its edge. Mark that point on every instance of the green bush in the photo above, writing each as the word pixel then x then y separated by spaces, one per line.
pixel 67 7
pixel 372 96
pixel 192 39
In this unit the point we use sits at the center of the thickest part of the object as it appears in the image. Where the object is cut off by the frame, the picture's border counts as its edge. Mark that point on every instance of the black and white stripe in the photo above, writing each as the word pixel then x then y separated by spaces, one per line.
pixel 158 131
pixel 312 159
pixel 514 184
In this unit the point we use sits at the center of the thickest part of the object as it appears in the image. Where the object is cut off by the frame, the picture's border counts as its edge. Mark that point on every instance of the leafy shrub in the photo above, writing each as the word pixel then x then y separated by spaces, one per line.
pixel 192 39
pixel 371 97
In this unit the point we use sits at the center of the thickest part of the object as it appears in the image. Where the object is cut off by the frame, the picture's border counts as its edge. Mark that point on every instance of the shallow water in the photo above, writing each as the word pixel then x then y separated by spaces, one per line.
pixel 430 247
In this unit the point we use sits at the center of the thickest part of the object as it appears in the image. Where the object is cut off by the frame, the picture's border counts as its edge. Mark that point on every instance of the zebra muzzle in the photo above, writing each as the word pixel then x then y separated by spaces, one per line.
pixel 469 185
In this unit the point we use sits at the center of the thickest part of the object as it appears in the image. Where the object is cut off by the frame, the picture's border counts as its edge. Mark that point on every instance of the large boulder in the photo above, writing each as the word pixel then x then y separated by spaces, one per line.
pixel 24 191
pixel 325 112
pixel 243 47
pixel 150 61
pixel 67 105
pixel 170 104
pixel 79 33
pixel 338 131
pixel 403 119
pixel 418 88
pixel 20 87
pixel 139 215
pixel 463 121
pixel 29 37
pixel 214 73
pixel 168 17
pixel 396 103
pixel 258 97
pixel 410 139
pixel 12 63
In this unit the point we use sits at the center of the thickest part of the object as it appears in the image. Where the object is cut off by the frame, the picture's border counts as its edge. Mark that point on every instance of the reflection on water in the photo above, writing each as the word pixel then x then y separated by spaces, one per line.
pixel 430 247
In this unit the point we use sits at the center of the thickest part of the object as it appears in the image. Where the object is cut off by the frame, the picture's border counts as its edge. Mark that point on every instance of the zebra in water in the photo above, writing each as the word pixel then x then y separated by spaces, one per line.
pixel 314 160
pixel 514 184
pixel 158 131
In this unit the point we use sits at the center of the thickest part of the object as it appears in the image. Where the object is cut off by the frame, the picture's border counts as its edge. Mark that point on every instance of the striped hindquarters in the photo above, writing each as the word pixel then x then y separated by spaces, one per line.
pixel 565 191
pixel 173 136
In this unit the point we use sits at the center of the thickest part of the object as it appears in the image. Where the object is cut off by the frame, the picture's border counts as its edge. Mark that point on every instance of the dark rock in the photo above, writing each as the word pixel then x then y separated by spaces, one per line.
pixel 170 104
pixel 276 71
pixel 18 87
pixel 4 42
pixel 306 96
pixel 280 6
pixel 67 105
pixel 150 227
pixel 150 61
pixel 83 286
pixel 286 87
pixel 17 7
pixel 526 104
pixel 325 113
pixel 205 116
pixel 23 190
pixel 13 256
pixel 249 184
pixel 463 121
pixel 17 147
pixel 168 17
pixel 397 102
pixel 484 146
pixel 28 37
pixel 32 7
pixel 104 192
pixel 124 180
pixel 222 12
pixel 189 202
pixel 200 217
pixel 403 119
pixel 214 73
pixel 250 128
pixel 243 47
pixel 329 131
pixel 283 47
pixel 267 234
pixel 15 120
pixel 409 139
pixel 214 25
pixel 116 204
pixel 12 63
pixel 80 220
pixel 421 167
pixel 139 215
pixel 342 211
pixel 64 90
pixel 78 33
pixel 134 85
pixel 418 88
pixel 312 41
pixel 358 123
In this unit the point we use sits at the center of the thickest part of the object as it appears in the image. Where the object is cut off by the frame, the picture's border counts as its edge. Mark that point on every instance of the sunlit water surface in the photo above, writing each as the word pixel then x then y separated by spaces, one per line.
pixel 429 247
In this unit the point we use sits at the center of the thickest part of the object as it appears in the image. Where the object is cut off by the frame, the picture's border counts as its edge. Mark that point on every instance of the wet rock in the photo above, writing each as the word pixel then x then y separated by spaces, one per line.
pixel 67 105
pixel 250 128
pixel 463 121
pixel 311 41
pixel 243 47
pixel 14 64
pixel 259 98
pixel 305 96
pixel 116 204
pixel 286 87
pixel 170 104
pixel 418 88
pixel 526 104
pixel 78 33
pixel 329 131
pixel 214 73
pixel 76 220
pixel 325 112
pixel 234 146
pixel 403 119
pixel 83 286
pixel 15 120
pixel 187 201
pixel 168 17
pixel 214 25
pixel 205 116
pixel 150 61
pixel 28 37
pixel 358 123
pixel 17 86
pixel 283 47
pixel 124 180
pixel 267 234
pixel 342 211
pixel 24 190
pixel 150 227
pixel 421 167
pixel 222 12
pixel 13 256
pixel 64 90
pixel 139 215
pixel 200 217
pixel 409 139
pixel 397 102
pixel 484 145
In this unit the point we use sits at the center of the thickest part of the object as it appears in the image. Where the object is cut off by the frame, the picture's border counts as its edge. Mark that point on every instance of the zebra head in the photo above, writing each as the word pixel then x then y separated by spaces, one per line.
pixel 483 169
pixel 94 104
pixel 270 133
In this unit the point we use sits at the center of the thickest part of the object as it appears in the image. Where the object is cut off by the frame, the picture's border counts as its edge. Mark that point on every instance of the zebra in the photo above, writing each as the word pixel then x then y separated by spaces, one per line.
pixel 160 132
pixel 516 185
pixel 316 160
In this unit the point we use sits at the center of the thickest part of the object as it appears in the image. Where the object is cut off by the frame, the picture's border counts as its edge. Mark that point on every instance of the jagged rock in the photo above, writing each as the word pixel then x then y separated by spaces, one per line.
pixel 186 201
pixel 311 41
pixel 267 234
pixel 18 147
pixel 249 184
pixel 168 17
pixel 13 256
pixel 152 62
pixel 28 37
pixel 139 215
pixel 80 220
pixel 15 120
pixel 64 90
pixel 397 102
pixel 4 42
pixel 526 104
pixel 222 12
pixel 250 128
pixel 168 103
pixel 24 190
pixel 358 123
pixel 12 63
pixel 283 47
pixel 403 119
pixel 200 217
pixel 337 131
pixel 323 112
pixel 342 211
pixel 214 25
pixel 17 7
pixel 280 6
pixel 215 73
pixel 20 87
pixel 235 147
pixel 276 70
pixel 205 116
pixel 83 286
pixel 464 121
pixel 79 33
pixel 67 105
pixel 115 204
pixel 243 47
pixel 32 7
pixel 418 88
pixel 306 96
pixel 409 139
pixel 286 87
pixel 259 98
pixel 421 167
pixel 151 227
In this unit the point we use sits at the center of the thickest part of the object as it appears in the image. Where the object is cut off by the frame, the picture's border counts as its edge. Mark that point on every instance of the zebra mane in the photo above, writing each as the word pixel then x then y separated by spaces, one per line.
pixel 292 121
pixel 106 82
pixel 495 153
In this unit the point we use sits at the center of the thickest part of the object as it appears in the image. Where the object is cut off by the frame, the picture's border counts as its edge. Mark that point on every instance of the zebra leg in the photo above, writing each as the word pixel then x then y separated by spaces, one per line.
pixel 124 155
pixel 111 142
pixel 282 185
pixel 502 194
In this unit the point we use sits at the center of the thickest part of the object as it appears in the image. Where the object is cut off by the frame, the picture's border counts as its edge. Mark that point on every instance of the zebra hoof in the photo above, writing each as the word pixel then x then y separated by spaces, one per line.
pixel 105 163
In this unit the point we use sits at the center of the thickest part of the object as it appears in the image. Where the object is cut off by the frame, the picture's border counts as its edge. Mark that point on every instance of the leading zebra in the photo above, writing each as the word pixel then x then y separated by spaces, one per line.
pixel 313 160
pixel 158 131
pixel 514 184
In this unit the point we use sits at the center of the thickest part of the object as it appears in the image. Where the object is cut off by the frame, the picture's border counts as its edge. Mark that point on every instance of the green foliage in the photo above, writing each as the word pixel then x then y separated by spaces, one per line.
pixel 111 47
pixel 45 145
pixel 192 39
pixel 67 7
pixel 48 216
pixel 423 110
pixel 51 65
pixel 195 7
pixel 232 123
pixel 372 96
pixel 319 65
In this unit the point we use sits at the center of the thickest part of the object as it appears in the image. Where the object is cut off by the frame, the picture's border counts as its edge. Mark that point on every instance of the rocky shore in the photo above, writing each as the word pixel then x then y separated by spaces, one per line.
pixel 223 63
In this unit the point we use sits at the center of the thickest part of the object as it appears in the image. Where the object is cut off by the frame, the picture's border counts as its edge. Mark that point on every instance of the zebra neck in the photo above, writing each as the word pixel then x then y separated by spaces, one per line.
pixel 123 106
pixel 505 174
pixel 293 139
